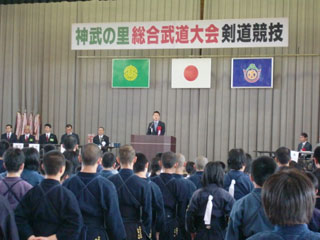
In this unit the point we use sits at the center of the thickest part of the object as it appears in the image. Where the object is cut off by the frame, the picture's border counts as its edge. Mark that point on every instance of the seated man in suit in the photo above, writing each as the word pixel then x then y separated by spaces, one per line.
pixel 304 145
pixel 48 137
pixel 156 127
pixel 27 137
pixel 9 135
pixel 101 139
pixel 69 132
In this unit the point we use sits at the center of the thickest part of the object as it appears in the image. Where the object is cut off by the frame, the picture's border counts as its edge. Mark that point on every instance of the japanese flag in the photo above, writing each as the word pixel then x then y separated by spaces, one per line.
pixel 191 73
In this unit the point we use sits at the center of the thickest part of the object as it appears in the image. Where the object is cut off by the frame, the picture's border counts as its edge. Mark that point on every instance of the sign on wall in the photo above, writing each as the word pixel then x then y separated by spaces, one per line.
pixel 222 33
pixel 252 73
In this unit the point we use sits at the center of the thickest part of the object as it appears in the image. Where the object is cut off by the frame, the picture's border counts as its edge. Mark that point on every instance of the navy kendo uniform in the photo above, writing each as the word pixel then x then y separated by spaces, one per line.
pixel 222 203
pixel 49 209
pixel 99 206
pixel 135 202
pixel 175 203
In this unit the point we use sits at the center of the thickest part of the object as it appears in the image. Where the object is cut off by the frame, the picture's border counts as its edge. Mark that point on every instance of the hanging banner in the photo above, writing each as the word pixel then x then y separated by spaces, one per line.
pixel 222 33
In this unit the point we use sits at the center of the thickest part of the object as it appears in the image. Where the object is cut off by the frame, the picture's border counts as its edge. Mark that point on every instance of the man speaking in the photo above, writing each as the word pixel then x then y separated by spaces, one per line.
pixel 156 127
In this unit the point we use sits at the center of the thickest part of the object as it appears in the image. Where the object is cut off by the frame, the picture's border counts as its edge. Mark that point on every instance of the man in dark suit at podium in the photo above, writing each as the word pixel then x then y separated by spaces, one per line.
pixel 304 145
pixel 156 127
pixel 27 137
pixel 101 139
pixel 48 137
pixel 9 135
pixel 69 132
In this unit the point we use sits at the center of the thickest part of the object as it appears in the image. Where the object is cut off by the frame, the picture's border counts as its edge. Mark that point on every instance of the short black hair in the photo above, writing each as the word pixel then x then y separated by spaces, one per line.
pixel 101 127
pixel 283 155
pixel 70 142
pixel 4 146
pixel 303 134
pixel 9 125
pixel 126 154
pixel 48 148
pixel 108 159
pixel 156 112
pixel 32 159
pixel 68 170
pixel 236 159
pixel 13 159
pixel 52 162
pixel 90 153
pixel 288 198
pixel 213 173
pixel 141 163
pixel 262 168
pixel 68 125
pixel 47 125
pixel 223 165
pixel 316 173
pixel 168 159
pixel 316 154
pixel 72 157
pixel 313 179
pixel 248 164
pixel 155 166
pixel 190 168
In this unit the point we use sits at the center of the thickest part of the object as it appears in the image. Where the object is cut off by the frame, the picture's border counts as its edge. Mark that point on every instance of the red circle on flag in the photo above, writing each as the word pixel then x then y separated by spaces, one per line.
pixel 191 73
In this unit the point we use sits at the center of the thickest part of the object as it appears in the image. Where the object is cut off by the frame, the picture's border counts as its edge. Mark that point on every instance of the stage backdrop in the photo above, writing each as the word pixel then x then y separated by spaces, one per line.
pixel 40 73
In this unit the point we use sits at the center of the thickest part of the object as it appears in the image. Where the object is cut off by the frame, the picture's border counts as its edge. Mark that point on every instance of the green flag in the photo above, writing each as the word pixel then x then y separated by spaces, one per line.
pixel 130 73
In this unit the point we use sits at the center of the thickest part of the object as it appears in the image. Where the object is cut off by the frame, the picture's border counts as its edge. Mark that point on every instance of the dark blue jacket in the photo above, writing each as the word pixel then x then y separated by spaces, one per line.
pixel 243 184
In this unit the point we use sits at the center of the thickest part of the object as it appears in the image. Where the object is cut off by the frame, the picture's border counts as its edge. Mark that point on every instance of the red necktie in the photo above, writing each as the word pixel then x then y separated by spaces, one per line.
pixel 27 138
pixel 47 138
pixel 8 136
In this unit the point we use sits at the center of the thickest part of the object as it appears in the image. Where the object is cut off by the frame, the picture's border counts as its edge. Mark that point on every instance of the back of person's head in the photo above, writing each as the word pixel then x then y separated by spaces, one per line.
pixel 155 166
pixel 108 160
pixel 313 179
pixel 223 165
pixel 190 168
pixel 48 148
pixel 180 160
pixel 213 174
pixel 73 157
pixel 13 159
pixel 316 155
pixel 32 159
pixel 90 154
pixel 168 159
pixel 4 146
pixel 201 162
pixel 262 168
pixel 288 198
pixel 283 155
pixel 70 142
pixel 158 155
pixel 140 164
pixel 126 154
pixel 316 173
pixel 53 161
pixel 236 159
pixel 248 164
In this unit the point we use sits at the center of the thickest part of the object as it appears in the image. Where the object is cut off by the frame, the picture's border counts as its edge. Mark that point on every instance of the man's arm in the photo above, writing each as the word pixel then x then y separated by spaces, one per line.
pixel 23 214
pixel 149 129
pixel 163 130
pixel 147 208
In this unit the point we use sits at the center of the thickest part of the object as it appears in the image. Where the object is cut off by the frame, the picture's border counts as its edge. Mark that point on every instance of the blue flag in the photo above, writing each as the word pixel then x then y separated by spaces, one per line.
pixel 252 73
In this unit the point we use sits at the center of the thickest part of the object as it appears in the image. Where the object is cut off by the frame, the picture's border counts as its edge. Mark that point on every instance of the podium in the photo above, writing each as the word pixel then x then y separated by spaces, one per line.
pixel 150 145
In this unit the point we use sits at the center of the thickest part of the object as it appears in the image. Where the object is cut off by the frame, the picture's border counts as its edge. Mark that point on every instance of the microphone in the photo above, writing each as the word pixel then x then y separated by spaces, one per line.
pixel 159 130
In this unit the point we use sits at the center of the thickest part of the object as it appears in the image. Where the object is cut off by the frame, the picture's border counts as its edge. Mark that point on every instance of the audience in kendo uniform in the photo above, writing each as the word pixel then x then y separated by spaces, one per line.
pixel 168 198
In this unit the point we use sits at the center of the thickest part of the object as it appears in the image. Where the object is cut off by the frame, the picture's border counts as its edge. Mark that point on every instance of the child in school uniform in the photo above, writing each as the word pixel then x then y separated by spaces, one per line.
pixel 236 182
pixel 49 210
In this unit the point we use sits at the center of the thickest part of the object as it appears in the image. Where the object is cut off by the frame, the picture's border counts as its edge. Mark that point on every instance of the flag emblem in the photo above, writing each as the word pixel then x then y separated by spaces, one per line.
pixel 130 73
pixel 191 73
pixel 252 73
